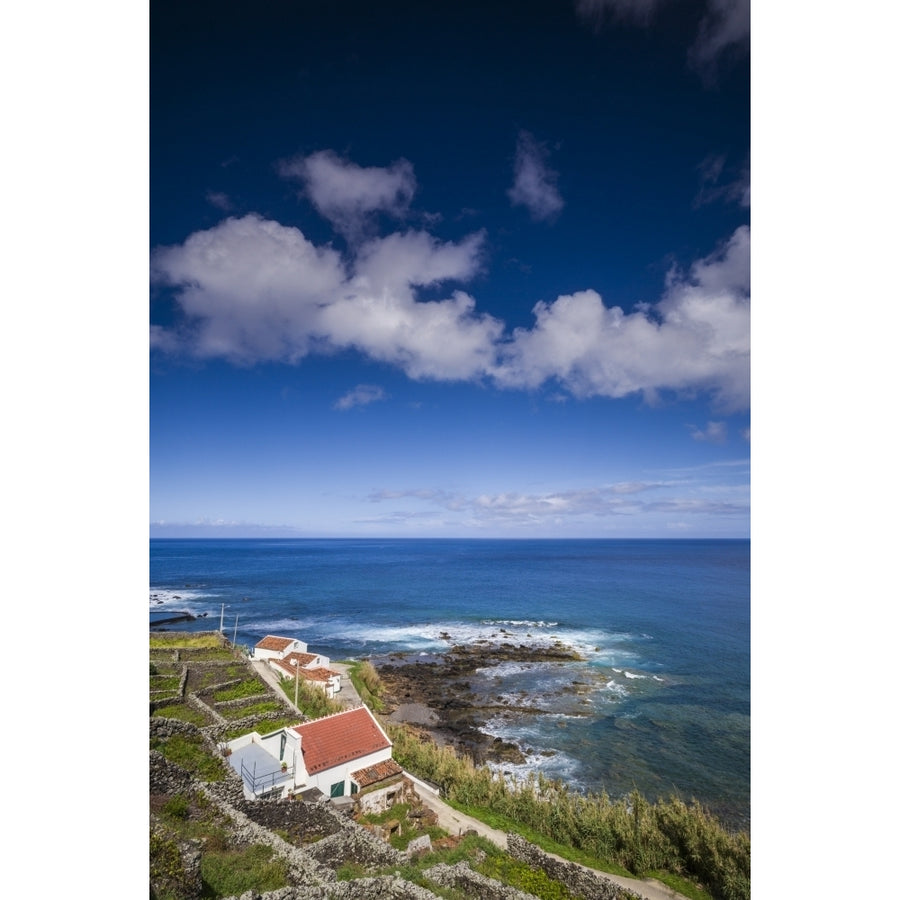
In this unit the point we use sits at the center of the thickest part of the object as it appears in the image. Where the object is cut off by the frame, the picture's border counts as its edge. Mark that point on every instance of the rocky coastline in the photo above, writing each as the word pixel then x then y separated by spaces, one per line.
pixel 435 692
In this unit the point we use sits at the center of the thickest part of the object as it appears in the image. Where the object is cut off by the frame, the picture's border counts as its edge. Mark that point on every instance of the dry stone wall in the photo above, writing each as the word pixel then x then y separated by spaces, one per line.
pixel 580 881
pixel 474 884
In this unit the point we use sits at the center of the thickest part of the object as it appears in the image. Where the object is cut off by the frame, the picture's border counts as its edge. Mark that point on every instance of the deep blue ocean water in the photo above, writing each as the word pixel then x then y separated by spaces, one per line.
pixel 661 703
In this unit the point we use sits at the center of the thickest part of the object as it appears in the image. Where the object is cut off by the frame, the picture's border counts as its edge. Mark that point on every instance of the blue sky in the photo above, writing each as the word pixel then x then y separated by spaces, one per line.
pixel 450 269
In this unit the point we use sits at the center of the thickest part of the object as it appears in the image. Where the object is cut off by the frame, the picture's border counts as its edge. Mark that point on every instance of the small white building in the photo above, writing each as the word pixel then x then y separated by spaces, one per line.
pixel 274 647
pixel 312 668
pixel 339 755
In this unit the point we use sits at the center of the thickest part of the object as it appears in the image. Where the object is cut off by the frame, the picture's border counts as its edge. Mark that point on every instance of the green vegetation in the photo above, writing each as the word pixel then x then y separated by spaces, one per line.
pixel 667 835
pixel 225 869
pixel 167 872
pixel 229 873
pixel 209 676
pixel 249 687
pixel 680 844
pixel 254 709
pixel 311 701
pixel 190 752
pixel 350 872
pixel 184 713
pixel 481 855
pixel 524 877
pixel 489 860
pixel 181 640
pixel 219 654
pixel 264 726
pixel 166 667
pixel 367 683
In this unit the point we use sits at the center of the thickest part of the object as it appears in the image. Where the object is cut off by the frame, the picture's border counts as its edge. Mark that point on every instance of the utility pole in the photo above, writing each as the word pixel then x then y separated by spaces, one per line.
pixel 296 679
pixel 222 620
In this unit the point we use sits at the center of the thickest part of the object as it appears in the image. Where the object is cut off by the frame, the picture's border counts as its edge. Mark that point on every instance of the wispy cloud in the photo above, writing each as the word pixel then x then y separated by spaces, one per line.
pixel 640 12
pixel 361 395
pixel 219 200
pixel 347 194
pixel 715 432
pixel 253 290
pixel 717 183
pixel 534 184
pixel 724 28
pixel 515 509
pixel 220 528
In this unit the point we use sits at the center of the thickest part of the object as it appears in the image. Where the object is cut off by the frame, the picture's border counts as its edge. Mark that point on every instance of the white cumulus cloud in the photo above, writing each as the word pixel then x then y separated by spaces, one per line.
pixel 255 290
pixel 696 338
pixel 534 185
pixel 251 289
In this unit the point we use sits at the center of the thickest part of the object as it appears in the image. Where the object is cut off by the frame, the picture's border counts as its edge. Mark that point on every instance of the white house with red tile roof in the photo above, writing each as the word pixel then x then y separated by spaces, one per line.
pixel 274 647
pixel 311 667
pixel 339 754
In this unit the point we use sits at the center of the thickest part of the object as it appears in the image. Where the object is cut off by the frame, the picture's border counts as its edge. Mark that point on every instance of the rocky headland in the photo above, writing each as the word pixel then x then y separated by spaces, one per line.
pixel 445 693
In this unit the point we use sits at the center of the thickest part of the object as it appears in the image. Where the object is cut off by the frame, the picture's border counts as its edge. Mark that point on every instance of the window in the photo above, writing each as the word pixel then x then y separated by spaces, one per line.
pixel 337 789
pixel 354 787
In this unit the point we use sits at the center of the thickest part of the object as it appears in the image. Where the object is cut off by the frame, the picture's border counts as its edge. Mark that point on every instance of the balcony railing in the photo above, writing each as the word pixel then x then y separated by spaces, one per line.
pixel 261 782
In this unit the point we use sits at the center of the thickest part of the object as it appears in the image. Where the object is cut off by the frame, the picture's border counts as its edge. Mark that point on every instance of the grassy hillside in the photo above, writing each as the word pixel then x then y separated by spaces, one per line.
pixel 211 690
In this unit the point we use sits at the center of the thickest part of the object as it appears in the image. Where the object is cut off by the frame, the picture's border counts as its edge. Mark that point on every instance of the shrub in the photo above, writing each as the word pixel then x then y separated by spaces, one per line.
pixel 631 832
pixel 168 879
pixel 368 684
pixel 311 701
pixel 178 807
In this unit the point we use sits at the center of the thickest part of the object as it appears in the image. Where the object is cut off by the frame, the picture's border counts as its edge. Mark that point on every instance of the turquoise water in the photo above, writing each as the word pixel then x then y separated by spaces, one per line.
pixel 661 701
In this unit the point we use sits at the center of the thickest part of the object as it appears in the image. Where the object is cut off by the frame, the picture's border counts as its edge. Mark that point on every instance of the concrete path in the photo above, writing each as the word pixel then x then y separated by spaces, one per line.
pixel 457 823
pixel 270 678
pixel 348 694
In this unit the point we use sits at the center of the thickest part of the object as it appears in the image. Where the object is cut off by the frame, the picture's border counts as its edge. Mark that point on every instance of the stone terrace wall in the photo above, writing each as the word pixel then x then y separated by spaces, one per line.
pixel 580 881
pixel 473 883
pixel 389 887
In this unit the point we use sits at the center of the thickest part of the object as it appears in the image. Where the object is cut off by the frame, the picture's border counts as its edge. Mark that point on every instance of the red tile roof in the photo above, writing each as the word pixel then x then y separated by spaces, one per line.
pixel 304 659
pixel 340 738
pixel 373 774
pixel 271 642
pixel 319 673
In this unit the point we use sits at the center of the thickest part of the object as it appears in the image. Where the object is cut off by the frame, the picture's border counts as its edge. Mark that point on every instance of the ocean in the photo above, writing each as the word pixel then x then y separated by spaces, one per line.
pixel 660 702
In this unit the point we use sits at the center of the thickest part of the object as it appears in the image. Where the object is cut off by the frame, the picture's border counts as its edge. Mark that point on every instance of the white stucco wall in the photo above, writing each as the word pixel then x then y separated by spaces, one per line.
pixel 325 779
